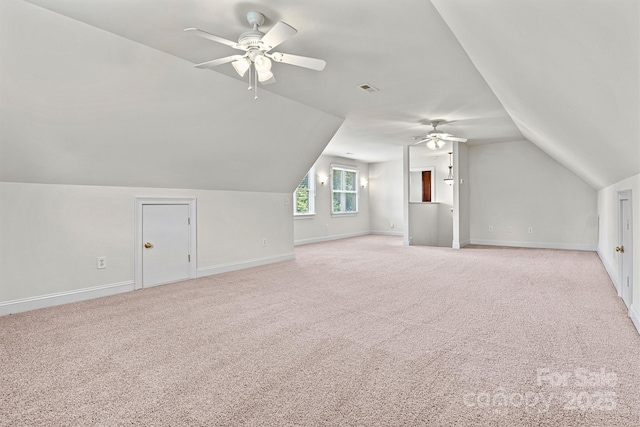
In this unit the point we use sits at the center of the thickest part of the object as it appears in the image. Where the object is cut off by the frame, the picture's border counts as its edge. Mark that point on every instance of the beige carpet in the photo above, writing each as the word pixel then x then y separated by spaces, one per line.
pixel 360 332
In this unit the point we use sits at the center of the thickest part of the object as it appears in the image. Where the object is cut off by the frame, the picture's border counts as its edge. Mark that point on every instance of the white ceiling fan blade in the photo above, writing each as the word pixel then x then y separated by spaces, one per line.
pixel 300 61
pixel 276 35
pixel 213 37
pixel 216 62
pixel 453 138
pixel 420 139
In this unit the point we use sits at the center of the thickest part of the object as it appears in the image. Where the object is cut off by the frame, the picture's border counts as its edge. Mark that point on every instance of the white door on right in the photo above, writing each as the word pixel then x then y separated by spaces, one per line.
pixel 626 252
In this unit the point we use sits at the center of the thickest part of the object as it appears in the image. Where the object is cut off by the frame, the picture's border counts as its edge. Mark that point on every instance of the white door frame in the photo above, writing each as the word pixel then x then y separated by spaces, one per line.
pixel 625 195
pixel 138 242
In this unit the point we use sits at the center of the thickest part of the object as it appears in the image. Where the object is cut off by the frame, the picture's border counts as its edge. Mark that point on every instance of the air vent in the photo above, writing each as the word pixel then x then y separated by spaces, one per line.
pixel 368 88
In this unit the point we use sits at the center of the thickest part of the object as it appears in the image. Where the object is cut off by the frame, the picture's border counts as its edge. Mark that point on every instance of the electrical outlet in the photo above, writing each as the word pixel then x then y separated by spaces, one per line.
pixel 530 230
pixel 491 228
pixel 393 225
pixel 509 229
pixel 102 262
pixel 264 241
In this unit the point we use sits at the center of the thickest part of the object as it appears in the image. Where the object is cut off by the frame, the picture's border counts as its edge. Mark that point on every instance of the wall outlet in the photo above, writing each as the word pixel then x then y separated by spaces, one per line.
pixel 491 228
pixel 101 262
pixel 509 229
pixel 393 225
pixel 264 241
pixel 530 230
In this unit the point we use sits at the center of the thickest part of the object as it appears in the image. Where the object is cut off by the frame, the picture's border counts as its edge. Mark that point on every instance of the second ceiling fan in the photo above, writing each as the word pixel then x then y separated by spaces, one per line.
pixel 436 138
pixel 258 50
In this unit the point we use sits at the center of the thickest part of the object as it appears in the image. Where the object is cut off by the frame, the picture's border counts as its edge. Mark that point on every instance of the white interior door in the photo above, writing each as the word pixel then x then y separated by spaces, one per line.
pixel 626 247
pixel 166 243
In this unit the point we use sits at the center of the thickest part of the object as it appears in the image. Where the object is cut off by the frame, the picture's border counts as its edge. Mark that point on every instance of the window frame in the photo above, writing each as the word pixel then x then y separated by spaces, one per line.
pixel 311 183
pixel 356 191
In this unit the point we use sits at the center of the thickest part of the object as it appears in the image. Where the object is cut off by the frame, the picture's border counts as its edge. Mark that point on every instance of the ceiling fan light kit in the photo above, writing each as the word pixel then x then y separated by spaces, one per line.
pixel 436 139
pixel 257 46
pixel 435 143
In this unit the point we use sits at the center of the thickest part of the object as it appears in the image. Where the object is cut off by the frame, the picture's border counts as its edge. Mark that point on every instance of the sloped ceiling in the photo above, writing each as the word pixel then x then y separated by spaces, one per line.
pixel 88 96
pixel 567 73
pixel 84 106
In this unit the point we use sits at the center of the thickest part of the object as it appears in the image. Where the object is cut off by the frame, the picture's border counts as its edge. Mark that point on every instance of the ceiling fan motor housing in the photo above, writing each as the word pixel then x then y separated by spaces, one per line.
pixel 251 39
pixel 255 18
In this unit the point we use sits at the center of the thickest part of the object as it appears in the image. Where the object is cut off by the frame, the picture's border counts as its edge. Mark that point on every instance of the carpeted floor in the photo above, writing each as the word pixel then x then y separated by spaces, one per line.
pixel 359 332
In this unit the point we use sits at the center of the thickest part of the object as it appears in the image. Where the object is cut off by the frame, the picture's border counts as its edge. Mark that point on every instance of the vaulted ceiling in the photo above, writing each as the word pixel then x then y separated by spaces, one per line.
pixel 106 94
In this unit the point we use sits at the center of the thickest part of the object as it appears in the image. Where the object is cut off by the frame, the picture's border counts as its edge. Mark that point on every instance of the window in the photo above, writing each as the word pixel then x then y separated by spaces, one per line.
pixel 305 195
pixel 344 189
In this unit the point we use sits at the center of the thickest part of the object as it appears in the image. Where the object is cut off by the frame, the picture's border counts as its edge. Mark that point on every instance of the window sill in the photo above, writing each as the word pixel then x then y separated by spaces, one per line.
pixel 304 216
pixel 345 214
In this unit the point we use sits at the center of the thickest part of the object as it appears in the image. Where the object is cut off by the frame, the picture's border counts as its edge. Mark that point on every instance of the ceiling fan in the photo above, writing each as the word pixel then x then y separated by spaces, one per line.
pixel 436 138
pixel 258 50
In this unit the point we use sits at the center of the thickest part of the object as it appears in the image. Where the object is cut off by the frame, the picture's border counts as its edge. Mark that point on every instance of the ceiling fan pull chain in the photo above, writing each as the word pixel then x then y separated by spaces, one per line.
pixel 256 84
pixel 250 87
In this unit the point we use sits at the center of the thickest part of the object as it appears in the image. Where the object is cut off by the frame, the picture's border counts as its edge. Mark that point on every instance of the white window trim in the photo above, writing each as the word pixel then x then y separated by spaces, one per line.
pixel 357 190
pixel 312 197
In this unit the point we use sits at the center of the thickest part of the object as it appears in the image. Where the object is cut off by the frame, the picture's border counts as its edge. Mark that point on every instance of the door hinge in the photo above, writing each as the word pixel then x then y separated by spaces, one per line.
pixel 189 258
pixel 188 221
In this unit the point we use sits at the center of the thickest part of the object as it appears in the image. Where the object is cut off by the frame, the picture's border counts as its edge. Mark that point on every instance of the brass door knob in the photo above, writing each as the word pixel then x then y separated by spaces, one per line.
pixel 620 249
pixel 147 245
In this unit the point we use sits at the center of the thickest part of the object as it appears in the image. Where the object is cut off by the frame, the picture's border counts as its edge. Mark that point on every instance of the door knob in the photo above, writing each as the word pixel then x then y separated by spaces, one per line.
pixel 620 249
pixel 147 245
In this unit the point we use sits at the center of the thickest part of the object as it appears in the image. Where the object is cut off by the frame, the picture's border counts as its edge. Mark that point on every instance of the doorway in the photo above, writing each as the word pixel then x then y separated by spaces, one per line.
pixel 426 186
pixel 625 247
pixel 165 241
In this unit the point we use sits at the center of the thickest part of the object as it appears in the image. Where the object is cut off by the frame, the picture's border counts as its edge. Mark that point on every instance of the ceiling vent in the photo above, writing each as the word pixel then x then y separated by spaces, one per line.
pixel 368 88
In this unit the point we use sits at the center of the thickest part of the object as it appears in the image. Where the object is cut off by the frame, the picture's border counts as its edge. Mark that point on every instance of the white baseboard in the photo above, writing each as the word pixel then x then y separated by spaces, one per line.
pixel 460 245
pixel 59 298
pixel 612 275
pixel 387 233
pixel 535 245
pixel 224 268
pixel 635 317
pixel 329 238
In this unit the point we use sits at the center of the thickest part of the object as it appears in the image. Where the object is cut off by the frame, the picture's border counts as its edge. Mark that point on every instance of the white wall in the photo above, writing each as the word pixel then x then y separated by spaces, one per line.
pixel 50 235
pixel 608 235
pixel 385 197
pixel 516 185
pixel 461 197
pixel 323 225
pixel 423 224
